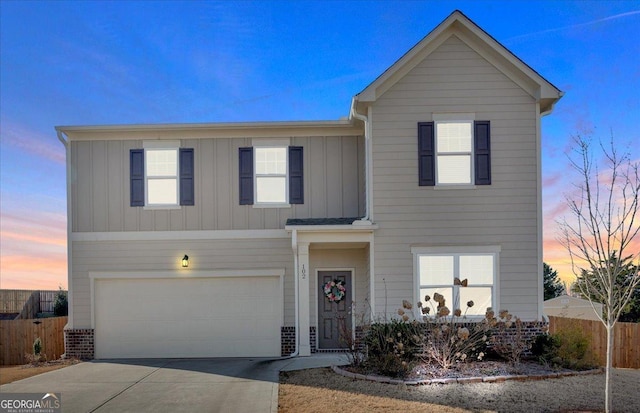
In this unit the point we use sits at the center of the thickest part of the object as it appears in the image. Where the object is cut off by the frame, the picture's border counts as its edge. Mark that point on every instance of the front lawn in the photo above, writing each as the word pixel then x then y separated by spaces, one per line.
pixel 321 390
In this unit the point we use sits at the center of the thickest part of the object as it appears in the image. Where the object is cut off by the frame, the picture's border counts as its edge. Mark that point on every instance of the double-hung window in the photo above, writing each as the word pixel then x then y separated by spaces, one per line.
pixel 454 150
pixel 271 175
pixel 476 268
pixel 161 175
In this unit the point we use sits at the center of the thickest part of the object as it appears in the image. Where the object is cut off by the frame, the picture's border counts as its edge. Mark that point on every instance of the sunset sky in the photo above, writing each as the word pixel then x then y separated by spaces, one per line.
pixel 93 63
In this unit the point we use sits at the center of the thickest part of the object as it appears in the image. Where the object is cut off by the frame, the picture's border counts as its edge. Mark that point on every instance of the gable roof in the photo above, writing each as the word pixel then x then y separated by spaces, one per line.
pixel 475 37
pixel 567 300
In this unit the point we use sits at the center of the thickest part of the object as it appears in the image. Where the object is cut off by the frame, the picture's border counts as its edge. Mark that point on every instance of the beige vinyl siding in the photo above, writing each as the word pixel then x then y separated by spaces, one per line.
pixel 334 186
pixel 205 255
pixel 454 78
pixel 356 259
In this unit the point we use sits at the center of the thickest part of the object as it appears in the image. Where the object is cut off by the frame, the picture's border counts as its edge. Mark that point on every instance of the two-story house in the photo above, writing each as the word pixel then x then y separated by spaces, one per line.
pixel 260 238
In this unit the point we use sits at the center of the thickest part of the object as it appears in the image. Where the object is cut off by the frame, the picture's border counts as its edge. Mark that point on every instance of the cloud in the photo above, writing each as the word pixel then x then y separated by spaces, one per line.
pixel 33 238
pixel 551 180
pixel 33 142
pixel 575 26
pixel 26 272
pixel 556 256
pixel 556 212
pixel 33 249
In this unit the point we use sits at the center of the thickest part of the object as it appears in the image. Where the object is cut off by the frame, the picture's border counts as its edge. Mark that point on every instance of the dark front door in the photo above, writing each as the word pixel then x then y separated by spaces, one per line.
pixel 334 317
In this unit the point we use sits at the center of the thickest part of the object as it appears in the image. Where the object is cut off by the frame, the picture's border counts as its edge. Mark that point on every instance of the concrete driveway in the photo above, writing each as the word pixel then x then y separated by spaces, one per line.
pixel 175 385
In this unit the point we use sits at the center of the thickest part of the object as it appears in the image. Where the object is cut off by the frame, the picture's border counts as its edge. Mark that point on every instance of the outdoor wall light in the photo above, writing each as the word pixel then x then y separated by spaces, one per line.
pixel 185 261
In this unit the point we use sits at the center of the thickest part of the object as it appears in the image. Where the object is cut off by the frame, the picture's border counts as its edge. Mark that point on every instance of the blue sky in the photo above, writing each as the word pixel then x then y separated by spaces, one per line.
pixel 89 63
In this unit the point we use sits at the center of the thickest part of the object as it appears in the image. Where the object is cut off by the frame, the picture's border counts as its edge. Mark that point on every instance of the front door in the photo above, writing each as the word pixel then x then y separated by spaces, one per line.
pixel 334 309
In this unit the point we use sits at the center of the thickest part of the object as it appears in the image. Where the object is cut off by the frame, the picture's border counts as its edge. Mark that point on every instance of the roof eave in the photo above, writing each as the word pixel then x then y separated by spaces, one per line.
pixel 332 228
pixel 206 126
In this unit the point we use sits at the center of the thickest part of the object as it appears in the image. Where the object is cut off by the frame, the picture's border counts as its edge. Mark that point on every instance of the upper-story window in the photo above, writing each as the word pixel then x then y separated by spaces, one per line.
pixel 162 175
pixel 271 176
pixel 454 151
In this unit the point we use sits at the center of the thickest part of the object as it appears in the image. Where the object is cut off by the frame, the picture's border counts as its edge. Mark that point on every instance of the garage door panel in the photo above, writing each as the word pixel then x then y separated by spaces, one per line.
pixel 202 317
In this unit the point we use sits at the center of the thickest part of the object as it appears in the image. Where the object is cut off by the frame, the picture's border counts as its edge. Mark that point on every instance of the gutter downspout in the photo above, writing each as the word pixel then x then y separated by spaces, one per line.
pixel 367 163
pixel 368 157
pixel 67 146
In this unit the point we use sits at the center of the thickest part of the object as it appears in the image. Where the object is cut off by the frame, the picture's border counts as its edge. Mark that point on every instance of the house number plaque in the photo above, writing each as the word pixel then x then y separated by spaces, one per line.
pixel 303 273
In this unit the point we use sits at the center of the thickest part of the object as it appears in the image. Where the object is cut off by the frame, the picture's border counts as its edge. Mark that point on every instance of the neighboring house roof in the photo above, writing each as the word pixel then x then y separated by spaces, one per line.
pixel 572 307
pixel 459 25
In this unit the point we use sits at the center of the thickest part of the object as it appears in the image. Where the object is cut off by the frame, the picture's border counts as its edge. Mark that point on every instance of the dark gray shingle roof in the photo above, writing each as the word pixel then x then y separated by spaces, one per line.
pixel 321 221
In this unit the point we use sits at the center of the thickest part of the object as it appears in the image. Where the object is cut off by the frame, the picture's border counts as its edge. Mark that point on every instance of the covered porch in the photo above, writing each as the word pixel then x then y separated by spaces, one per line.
pixel 333 268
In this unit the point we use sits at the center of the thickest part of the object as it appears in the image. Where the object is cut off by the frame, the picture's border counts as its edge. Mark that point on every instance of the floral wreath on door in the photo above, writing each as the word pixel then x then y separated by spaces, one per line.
pixel 334 290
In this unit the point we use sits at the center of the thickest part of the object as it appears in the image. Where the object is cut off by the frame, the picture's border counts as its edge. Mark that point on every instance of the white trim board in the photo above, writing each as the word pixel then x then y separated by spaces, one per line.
pixel 180 235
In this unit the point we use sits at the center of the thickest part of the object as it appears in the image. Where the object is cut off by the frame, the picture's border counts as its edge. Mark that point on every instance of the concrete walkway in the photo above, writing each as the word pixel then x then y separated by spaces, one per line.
pixel 174 385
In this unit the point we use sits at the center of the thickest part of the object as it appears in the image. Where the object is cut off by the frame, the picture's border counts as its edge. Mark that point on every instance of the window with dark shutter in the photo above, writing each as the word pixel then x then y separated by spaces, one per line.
pixel 136 175
pixel 296 175
pixel 482 152
pixel 426 154
pixel 245 156
pixel 187 195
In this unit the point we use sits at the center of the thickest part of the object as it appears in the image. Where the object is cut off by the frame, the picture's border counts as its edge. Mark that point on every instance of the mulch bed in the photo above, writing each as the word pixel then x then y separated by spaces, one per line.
pixel 475 371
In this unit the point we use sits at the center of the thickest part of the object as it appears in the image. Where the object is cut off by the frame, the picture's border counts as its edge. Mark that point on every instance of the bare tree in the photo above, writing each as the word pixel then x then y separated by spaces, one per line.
pixel 603 225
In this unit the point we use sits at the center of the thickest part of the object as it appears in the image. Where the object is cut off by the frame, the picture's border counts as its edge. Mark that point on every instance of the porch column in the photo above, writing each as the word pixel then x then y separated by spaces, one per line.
pixel 303 297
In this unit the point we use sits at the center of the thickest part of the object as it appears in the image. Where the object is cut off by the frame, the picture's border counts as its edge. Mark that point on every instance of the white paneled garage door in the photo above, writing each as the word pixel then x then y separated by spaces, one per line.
pixel 194 317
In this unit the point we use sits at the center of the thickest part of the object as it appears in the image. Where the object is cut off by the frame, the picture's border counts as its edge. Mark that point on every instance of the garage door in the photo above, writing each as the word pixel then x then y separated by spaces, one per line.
pixel 197 317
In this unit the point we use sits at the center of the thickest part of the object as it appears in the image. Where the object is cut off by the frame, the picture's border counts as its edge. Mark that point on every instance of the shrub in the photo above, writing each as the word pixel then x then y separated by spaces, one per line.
pixel 61 304
pixel 567 348
pixel 392 347
pixel 37 346
pixel 37 356
pixel 574 348
pixel 545 348
pixel 508 340
pixel 447 339
pixel 353 342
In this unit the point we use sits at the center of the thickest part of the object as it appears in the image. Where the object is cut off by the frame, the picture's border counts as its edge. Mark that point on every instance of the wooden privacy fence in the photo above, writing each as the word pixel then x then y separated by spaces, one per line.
pixel 17 337
pixel 13 301
pixel 626 340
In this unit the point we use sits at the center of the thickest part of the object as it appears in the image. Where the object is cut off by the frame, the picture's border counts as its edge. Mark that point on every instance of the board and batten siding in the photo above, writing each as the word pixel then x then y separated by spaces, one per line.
pixel 333 182
pixel 204 255
pixel 455 78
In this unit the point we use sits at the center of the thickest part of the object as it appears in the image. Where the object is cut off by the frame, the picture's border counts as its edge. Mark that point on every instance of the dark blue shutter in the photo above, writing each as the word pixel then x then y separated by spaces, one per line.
pixel 136 177
pixel 246 175
pixel 296 175
pixel 482 152
pixel 426 154
pixel 187 193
